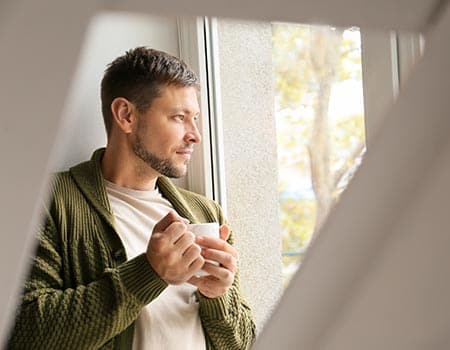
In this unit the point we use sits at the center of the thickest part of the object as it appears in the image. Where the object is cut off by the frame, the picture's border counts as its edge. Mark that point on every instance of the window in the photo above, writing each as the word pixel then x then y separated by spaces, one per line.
pixel 319 112
pixel 248 100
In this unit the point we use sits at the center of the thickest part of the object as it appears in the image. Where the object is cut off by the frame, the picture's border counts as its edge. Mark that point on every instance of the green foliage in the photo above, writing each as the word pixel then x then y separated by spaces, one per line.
pixel 290 64
pixel 297 221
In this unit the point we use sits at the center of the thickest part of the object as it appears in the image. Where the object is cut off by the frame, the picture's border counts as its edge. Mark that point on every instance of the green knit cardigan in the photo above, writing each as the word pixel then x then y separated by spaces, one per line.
pixel 82 293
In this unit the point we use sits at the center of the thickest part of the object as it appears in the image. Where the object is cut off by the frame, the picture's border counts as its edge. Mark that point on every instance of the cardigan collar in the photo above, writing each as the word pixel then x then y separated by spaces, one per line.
pixel 89 178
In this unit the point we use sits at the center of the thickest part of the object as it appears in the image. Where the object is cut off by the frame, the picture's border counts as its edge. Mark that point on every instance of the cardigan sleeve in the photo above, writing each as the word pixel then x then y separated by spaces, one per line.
pixel 87 316
pixel 228 320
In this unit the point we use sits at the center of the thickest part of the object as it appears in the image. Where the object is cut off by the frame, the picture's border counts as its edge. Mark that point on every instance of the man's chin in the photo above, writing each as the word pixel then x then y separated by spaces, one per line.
pixel 176 173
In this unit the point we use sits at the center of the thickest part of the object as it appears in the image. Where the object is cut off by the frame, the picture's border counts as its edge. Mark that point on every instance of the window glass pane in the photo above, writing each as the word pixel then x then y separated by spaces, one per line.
pixel 319 112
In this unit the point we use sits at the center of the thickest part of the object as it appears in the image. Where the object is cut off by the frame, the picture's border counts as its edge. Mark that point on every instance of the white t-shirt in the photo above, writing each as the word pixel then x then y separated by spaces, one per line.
pixel 171 321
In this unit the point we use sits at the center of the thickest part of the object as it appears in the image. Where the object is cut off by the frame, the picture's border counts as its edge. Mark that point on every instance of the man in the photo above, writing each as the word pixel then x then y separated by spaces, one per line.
pixel 116 266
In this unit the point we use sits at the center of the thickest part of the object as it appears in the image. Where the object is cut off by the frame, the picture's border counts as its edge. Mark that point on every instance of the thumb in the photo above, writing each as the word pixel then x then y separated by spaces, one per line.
pixel 224 232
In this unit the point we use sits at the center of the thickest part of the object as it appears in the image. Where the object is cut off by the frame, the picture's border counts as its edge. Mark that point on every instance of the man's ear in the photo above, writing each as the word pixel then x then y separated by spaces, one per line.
pixel 123 112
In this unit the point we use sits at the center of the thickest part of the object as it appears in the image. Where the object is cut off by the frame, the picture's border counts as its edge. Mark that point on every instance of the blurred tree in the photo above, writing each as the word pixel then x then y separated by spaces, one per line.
pixel 309 61
pixel 323 55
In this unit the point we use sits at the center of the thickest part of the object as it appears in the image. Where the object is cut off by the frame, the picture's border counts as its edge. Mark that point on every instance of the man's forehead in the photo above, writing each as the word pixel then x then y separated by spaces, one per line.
pixel 179 99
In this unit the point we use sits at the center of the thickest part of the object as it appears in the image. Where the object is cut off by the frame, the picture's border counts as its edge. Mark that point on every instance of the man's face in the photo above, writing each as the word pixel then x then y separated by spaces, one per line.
pixel 167 131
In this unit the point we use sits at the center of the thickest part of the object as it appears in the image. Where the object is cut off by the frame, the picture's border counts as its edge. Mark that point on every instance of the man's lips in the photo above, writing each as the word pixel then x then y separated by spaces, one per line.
pixel 185 153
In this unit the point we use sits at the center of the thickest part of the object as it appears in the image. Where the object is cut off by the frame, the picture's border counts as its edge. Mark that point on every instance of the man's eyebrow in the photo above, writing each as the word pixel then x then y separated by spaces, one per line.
pixel 182 110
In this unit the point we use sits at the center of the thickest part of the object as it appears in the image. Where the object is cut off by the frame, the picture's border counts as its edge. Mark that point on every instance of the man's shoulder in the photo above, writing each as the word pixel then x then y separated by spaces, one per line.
pixel 61 187
pixel 85 169
pixel 72 176
pixel 60 178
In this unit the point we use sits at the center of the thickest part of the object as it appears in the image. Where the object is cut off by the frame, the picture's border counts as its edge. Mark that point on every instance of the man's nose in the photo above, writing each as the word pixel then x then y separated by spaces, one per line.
pixel 193 134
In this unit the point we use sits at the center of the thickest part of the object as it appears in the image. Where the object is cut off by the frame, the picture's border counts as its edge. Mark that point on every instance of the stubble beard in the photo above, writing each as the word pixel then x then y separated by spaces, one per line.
pixel 163 166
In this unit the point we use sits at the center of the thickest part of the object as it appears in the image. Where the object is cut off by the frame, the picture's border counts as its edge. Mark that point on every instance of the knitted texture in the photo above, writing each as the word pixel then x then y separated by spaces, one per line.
pixel 82 293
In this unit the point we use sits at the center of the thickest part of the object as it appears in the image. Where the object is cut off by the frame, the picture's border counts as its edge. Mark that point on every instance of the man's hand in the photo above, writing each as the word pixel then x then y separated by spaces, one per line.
pixel 220 277
pixel 172 251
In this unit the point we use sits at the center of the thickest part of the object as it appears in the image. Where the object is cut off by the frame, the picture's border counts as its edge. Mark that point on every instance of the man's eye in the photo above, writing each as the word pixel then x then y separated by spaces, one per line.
pixel 179 117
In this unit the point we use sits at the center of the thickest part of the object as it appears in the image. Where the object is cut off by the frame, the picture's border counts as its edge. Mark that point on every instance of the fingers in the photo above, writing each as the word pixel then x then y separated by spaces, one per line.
pixel 209 286
pixel 216 283
pixel 172 251
pixel 180 238
pixel 217 244
pixel 173 231
pixel 169 237
pixel 225 259
pixel 164 223
pixel 196 265
pixel 225 276
pixel 175 255
pixel 191 253
pixel 221 276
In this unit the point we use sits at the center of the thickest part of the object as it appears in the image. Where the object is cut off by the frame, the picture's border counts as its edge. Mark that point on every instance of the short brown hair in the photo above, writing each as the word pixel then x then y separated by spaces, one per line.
pixel 139 75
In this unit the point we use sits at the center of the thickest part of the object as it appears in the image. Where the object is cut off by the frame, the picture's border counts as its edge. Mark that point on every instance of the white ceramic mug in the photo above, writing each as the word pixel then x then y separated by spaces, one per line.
pixel 205 229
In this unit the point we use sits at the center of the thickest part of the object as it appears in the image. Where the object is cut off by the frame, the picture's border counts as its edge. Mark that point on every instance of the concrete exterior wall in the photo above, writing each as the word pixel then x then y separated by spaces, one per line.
pixel 245 56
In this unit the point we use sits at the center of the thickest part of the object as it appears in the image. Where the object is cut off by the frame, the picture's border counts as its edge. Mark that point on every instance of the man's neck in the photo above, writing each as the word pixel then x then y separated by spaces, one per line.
pixel 121 166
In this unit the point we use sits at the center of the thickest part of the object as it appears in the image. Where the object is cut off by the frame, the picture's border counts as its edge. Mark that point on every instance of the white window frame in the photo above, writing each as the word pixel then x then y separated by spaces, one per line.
pixel 198 47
